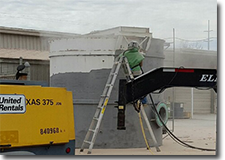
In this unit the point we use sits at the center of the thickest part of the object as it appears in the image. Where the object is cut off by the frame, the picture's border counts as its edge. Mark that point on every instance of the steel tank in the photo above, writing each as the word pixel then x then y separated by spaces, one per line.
pixel 82 65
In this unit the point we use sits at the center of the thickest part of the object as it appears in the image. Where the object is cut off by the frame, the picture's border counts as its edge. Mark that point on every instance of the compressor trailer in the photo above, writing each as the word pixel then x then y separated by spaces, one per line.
pixel 35 120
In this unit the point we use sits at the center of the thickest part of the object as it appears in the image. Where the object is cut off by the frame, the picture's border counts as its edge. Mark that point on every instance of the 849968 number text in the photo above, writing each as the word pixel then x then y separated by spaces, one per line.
pixel 49 131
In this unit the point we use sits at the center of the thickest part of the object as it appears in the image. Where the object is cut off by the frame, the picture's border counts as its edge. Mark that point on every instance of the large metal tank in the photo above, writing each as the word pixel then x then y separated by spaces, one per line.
pixel 82 65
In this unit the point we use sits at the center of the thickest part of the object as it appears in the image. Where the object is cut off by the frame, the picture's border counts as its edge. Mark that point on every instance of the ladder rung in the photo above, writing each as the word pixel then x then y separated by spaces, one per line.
pixel 91 130
pixel 95 118
pixel 118 61
pixel 100 107
pixel 104 96
pixel 87 142
pixel 112 74
pixel 109 85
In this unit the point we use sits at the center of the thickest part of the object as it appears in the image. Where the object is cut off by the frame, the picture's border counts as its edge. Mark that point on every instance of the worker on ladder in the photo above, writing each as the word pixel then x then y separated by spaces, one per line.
pixel 135 60
pixel 134 57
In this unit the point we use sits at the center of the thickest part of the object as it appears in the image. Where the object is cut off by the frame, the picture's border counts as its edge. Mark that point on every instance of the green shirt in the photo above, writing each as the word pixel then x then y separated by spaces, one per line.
pixel 134 58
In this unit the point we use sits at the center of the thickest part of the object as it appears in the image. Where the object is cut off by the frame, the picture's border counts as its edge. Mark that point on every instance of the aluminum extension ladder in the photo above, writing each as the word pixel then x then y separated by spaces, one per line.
pixel 96 121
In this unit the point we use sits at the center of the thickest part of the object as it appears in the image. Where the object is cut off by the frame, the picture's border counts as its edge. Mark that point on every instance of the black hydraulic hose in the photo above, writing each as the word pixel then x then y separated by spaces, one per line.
pixel 171 134
pixel 168 131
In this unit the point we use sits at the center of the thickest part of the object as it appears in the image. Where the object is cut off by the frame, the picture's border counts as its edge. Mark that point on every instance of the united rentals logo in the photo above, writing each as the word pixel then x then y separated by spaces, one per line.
pixel 10 104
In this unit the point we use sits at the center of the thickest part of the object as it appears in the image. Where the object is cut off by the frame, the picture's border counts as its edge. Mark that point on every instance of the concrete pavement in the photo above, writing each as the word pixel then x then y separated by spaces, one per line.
pixel 199 132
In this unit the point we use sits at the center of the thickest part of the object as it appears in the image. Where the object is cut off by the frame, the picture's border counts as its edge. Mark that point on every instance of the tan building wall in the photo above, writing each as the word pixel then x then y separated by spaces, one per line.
pixel 32 46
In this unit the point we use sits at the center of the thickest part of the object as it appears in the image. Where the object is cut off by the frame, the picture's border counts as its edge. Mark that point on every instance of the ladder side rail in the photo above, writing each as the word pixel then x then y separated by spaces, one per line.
pixel 127 70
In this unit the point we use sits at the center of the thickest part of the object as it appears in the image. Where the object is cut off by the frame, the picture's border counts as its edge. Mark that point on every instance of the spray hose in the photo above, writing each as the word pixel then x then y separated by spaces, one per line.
pixel 143 132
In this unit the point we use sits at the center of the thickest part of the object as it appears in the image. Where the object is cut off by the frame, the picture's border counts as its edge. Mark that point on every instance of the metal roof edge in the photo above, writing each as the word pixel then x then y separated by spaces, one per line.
pixel 33 32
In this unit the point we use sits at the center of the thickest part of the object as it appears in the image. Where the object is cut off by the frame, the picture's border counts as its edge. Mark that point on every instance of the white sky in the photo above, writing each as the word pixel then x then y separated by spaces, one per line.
pixel 188 17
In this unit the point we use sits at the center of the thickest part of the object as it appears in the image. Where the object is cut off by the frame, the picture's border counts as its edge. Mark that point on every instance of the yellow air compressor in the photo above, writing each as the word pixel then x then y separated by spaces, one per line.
pixel 36 120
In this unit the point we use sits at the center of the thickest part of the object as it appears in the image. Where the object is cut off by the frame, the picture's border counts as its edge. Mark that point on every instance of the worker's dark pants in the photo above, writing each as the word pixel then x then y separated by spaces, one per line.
pixel 143 100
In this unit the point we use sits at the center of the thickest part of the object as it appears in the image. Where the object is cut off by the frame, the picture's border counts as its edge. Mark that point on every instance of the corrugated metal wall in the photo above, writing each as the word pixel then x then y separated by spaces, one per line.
pixel 24 40
pixel 201 101
pixel 16 41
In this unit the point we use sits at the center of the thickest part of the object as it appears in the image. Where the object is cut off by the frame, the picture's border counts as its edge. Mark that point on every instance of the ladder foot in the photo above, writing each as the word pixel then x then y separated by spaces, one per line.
pixel 89 152
pixel 157 149
pixel 81 150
